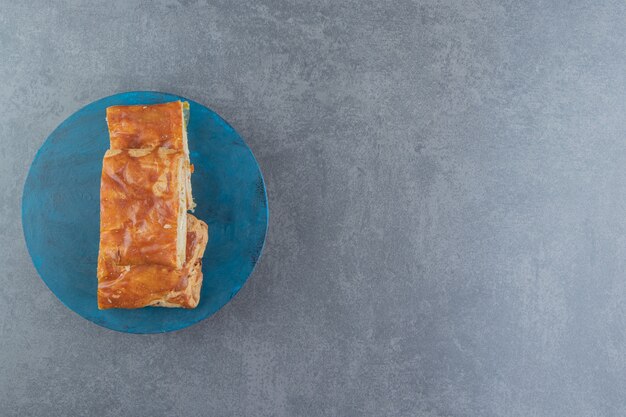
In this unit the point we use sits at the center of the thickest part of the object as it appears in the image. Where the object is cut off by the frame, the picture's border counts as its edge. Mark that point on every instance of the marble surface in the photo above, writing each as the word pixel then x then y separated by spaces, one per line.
pixel 447 188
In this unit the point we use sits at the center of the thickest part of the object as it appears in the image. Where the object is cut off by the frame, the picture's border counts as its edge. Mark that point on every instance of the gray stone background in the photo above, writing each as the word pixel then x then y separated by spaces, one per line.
pixel 447 186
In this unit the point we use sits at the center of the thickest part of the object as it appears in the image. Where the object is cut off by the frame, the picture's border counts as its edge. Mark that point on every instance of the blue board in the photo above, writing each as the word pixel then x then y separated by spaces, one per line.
pixel 61 207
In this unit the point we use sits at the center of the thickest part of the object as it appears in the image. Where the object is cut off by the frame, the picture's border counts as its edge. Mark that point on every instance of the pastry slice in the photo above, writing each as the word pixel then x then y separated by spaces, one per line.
pixel 143 207
pixel 152 126
pixel 136 286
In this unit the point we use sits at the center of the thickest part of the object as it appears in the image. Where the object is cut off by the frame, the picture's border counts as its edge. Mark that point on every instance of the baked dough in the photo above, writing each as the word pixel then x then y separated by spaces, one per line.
pixel 152 126
pixel 142 207
pixel 139 286
pixel 150 248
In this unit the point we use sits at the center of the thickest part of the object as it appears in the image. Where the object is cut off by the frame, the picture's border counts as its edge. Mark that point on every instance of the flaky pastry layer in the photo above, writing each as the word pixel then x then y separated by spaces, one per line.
pixel 143 207
pixel 152 126
pixel 139 286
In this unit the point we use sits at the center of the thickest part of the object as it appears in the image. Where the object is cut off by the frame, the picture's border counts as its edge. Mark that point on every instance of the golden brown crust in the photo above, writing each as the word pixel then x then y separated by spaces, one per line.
pixel 152 126
pixel 150 248
pixel 141 213
pixel 139 286
pixel 146 126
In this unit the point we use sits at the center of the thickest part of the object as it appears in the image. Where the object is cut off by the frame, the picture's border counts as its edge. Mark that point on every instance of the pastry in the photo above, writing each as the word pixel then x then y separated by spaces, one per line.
pixel 152 126
pixel 150 248
pixel 143 207
pixel 136 286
